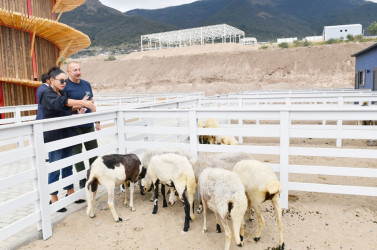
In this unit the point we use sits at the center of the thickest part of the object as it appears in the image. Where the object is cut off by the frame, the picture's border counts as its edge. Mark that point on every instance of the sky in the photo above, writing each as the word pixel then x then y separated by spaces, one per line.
pixel 126 5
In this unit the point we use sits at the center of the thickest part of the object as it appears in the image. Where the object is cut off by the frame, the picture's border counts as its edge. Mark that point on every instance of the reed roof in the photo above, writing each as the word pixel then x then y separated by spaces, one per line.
pixel 68 5
pixel 67 39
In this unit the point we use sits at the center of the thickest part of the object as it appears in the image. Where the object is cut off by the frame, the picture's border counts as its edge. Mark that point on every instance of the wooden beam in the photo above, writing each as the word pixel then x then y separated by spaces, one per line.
pixel 56 5
pixel 63 52
pixel 60 14
pixel 32 43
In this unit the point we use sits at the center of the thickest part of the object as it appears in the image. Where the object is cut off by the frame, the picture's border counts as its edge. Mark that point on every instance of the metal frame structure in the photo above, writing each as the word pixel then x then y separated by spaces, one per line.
pixel 191 37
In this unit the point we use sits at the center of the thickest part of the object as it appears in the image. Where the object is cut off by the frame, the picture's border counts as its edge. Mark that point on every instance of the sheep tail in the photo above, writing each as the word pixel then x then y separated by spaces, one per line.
pixel 273 187
pixel 230 206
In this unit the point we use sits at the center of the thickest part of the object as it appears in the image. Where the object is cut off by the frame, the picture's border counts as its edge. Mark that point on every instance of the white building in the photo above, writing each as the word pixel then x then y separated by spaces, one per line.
pixel 248 41
pixel 287 40
pixel 341 31
pixel 314 38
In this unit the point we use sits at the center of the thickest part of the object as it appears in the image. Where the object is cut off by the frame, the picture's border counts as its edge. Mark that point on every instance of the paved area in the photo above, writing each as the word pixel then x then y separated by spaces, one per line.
pixel 31 233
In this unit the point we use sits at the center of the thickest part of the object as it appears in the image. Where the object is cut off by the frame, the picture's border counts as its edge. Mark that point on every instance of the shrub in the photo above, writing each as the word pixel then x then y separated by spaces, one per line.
pixel 331 41
pixel 373 28
pixel 111 58
pixel 358 38
pixel 306 43
pixel 350 37
pixel 263 47
pixel 283 45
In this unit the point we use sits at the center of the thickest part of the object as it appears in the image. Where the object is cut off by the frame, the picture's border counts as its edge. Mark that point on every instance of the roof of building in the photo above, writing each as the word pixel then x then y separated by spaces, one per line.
pixel 67 39
pixel 343 26
pixel 372 47
pixel 67 5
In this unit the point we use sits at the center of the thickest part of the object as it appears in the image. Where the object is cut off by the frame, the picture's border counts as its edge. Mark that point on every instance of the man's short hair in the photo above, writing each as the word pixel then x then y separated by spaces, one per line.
pixel 44 78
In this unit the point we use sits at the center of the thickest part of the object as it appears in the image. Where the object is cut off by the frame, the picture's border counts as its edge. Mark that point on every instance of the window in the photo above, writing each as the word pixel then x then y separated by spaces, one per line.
pixel 345 30
pixel 360 78
pixel 341 30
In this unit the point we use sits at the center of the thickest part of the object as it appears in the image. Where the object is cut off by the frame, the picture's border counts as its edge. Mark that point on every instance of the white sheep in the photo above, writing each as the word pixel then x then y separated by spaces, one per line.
pixel 223 192
pixel 110 171
pixel 175 171
pixel 261 184
pixel 225 160
pixel 209 123
pixel 226 140
pixel 147 158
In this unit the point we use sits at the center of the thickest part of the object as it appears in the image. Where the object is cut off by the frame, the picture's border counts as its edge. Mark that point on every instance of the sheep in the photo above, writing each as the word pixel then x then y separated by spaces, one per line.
pixel 209 123
pixel 261 184
pixel 225 160
pixel 223 192
pixel 175 171
pixel 147 158
pixel 110 171
pixel 226 140
pixel 221 160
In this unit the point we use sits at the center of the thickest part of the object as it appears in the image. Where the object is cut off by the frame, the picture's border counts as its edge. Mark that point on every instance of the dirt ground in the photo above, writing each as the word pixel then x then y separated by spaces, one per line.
pixel 313 220
pixel 225 68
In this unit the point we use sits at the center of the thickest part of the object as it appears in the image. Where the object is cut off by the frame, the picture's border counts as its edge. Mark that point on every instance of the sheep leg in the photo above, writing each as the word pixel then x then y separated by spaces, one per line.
pixel 218 228
pixel 260 222
pixel 187 208
pixel 164 203
pixel 276 204
pixel 125 203
pixel 110 201
pixel 155 206
pixel 228 232
pixel 200 208
pixel 132 190
pixel 238 229
pixel 249 209
pixel 141 188
pixel 204 206
pixel 93 184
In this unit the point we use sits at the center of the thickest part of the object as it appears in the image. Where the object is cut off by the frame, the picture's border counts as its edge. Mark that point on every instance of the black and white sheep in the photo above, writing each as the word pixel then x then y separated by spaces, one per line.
pixel 261 184
pixel 223 192
pixel 174 171
pixel 110 171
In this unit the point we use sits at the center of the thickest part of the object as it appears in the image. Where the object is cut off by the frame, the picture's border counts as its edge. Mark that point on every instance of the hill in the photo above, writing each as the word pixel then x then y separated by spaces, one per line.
pixel 264 19
pixel 269 19
pixel 108 27
pixel 225 68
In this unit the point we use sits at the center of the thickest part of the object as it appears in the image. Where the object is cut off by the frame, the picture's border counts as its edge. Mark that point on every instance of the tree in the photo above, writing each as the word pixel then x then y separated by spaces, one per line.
pixel 373 28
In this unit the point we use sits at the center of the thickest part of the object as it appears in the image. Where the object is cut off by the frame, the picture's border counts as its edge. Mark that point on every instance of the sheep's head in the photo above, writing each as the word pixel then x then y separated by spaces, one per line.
pixel 146 184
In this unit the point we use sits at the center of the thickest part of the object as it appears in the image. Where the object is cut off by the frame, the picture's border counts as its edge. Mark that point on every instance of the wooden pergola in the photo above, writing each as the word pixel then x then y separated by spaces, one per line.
pixel 31 41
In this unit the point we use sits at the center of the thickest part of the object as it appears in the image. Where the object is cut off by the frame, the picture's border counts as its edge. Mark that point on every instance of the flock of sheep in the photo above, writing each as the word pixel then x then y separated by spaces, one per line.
pixel 229 184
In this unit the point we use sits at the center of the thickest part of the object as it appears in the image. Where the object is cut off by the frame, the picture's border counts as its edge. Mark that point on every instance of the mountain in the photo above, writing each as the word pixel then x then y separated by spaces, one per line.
pixel 107 27
pixel 266 19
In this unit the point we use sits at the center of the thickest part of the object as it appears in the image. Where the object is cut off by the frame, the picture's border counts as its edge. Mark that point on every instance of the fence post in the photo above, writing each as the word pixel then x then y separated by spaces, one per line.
pixel 193 125
pixel 121 133
pixel 40 163
pixel 339 122
pixel 240 121
pixel 284 157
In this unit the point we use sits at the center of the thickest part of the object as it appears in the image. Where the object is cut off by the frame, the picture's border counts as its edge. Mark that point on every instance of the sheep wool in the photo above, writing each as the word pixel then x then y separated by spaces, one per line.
pixel 223 192
pixel 261 184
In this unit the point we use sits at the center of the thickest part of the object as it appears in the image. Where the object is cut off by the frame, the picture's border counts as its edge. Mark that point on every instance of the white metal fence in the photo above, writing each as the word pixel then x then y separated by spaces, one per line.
pixel 133 131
